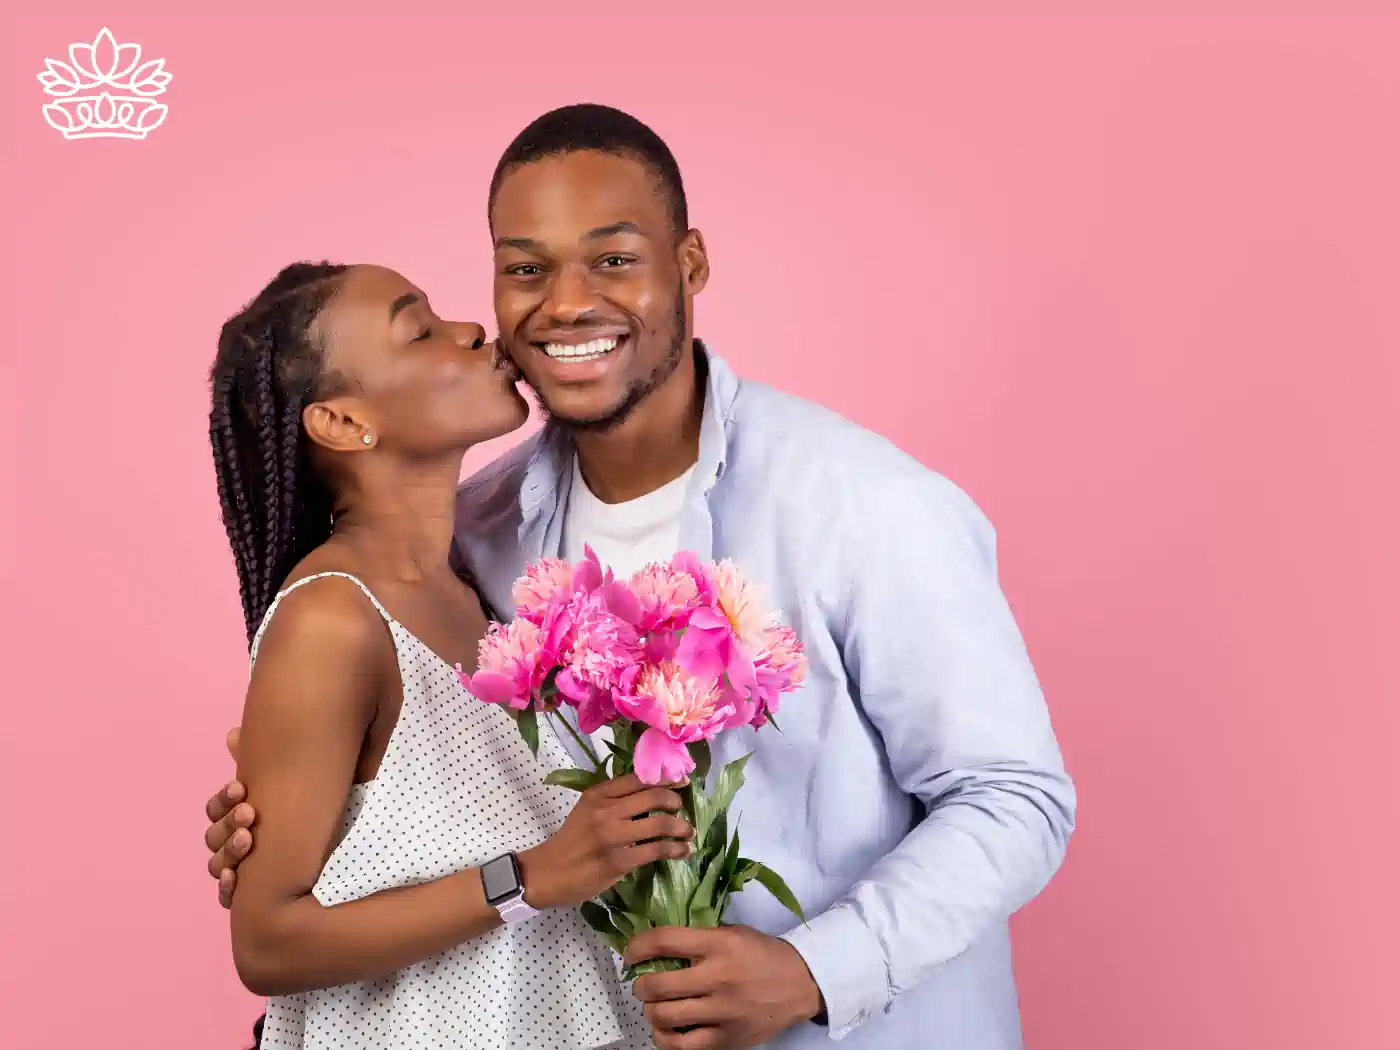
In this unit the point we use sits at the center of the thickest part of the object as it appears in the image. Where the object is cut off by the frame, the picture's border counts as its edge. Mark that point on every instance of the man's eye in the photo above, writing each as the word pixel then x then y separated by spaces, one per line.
pixel 615 260
pixel 524 270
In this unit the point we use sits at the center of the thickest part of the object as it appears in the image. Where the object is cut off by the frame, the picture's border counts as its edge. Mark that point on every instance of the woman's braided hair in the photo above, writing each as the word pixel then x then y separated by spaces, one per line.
pixel 269 366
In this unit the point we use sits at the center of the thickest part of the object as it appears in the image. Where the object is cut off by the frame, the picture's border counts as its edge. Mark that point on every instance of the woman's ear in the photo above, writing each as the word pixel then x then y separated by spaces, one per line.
pixel 339 425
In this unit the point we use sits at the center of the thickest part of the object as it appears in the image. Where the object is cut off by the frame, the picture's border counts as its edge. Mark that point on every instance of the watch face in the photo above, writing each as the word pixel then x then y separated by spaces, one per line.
pixel 500 880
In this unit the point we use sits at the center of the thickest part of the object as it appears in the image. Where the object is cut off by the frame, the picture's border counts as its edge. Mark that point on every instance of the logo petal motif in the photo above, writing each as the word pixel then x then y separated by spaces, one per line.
pixel 59 78
pixel 59 118
pixel 98 60
pixel 125 61
pixel 151 118
pixel 105 112
pixel 150 78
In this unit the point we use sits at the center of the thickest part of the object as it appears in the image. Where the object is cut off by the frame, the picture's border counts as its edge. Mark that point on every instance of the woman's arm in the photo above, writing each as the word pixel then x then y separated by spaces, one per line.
pixel 320 672
pixel 321 669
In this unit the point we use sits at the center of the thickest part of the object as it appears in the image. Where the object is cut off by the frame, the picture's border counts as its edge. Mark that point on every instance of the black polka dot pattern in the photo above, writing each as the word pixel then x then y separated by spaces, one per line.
pixel 456 788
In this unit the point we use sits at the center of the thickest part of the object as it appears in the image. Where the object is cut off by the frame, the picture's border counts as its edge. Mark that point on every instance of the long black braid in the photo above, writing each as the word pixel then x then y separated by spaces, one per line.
pixel 269 366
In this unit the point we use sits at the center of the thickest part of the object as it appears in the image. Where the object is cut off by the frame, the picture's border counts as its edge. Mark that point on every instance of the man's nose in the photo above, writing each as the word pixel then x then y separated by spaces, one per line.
pixel 571 295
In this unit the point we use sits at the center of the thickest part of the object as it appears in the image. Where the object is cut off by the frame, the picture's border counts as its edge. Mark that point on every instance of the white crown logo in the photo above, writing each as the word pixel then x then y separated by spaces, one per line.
pixel 106 92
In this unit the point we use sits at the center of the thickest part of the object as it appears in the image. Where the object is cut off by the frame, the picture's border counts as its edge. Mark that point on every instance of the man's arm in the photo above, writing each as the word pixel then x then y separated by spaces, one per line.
pixel 941 671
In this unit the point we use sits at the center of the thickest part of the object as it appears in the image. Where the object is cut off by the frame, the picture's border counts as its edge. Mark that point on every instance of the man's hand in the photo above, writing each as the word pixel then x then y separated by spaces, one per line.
pixel 228 838
pixel 742 987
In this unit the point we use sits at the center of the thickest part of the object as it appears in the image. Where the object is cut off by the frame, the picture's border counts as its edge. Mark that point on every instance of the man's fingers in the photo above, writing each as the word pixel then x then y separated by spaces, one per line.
pixel 218 834
pixel 688 985
pixel 231 742
pixel 227 881
pixel 218 807
pixel 671 942
pixel 231 854
pixel 685 1013
pixel 695 1039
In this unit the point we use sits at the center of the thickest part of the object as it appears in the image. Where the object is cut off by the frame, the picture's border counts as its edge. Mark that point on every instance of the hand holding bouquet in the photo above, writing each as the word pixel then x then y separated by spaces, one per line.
pixel 666 660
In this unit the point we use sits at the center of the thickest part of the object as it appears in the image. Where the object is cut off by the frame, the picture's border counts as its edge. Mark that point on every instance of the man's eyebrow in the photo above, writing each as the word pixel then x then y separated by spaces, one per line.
pixel 611 230
pixel 598 233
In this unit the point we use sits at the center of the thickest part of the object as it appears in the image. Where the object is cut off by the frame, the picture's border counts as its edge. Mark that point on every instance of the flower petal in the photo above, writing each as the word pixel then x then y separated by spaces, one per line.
pixel 660 760
pixel 496 688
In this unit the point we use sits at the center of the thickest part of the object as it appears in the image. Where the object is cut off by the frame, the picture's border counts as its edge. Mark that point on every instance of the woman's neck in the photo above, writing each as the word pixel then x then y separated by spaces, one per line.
pixel 402 526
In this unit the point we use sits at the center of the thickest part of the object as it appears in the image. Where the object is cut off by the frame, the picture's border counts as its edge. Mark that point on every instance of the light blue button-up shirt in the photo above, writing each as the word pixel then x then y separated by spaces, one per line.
pixel 915 796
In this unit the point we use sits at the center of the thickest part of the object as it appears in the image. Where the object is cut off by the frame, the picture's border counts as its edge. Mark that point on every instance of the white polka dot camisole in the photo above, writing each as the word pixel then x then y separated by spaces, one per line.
pixel 457 787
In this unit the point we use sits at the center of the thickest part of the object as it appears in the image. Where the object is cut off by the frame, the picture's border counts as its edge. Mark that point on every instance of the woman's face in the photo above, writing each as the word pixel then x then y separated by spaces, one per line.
pixel 418 385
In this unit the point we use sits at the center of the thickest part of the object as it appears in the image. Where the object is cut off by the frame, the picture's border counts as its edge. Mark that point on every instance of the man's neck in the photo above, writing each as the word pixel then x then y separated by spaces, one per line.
pixel 656 444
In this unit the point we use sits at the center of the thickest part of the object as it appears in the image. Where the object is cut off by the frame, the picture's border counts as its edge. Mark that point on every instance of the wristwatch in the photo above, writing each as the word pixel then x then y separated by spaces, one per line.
pixel 505 888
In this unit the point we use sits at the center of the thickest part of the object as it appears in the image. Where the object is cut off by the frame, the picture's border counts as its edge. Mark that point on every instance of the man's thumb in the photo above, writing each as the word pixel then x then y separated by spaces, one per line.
pixel 231 741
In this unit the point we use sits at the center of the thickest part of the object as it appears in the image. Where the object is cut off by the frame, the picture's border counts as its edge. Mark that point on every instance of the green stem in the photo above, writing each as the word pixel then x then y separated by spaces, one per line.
pixel 587 750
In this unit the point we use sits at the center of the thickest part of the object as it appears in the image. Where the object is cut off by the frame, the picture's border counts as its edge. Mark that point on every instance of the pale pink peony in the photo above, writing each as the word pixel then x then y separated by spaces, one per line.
pixel 741 601
pixel 543 581
pixel 780 667
pixel 666 594
pixel 724 634
pixel 509 665
pixel 678 709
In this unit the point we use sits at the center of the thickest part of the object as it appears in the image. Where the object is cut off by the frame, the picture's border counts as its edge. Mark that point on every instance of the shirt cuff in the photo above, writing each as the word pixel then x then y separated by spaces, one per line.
pixel 849 966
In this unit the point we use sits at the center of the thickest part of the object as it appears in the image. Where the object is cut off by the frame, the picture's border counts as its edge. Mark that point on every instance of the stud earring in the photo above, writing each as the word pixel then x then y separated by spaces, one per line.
pixel 367 440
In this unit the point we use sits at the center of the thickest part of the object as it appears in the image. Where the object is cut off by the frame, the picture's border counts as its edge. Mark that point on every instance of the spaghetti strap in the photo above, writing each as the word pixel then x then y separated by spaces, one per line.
pixel 277 600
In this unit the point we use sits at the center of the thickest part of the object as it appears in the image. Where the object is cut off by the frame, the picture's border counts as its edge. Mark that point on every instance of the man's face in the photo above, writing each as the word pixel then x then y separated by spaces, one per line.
pixel 593 285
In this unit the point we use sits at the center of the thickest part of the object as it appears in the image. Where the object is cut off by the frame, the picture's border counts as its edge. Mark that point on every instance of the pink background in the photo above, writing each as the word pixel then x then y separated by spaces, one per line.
pixel 1132 282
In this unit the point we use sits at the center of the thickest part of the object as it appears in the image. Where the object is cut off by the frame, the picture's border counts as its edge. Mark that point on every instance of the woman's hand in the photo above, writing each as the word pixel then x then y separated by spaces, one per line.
pixel 617 826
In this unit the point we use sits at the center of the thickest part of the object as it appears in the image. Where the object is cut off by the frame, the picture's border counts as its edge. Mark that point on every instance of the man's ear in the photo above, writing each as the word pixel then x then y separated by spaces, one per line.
pixel 694 262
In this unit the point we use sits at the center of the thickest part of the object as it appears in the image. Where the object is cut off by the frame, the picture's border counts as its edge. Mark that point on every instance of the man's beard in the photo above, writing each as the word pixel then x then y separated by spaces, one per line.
pixel 637 391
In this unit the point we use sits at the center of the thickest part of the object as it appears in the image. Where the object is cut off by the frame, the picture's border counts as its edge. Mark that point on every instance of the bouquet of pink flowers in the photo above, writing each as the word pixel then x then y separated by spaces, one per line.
pixel 666 660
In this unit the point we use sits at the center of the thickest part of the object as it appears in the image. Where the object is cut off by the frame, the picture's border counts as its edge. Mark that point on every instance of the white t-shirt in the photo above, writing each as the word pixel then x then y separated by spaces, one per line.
pixel 625 536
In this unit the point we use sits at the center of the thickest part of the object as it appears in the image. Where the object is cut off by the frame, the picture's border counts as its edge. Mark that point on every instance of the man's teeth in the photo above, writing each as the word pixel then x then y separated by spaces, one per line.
pixel 580 351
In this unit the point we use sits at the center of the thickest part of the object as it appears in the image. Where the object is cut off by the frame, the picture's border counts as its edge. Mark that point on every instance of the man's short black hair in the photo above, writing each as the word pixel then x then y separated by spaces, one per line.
pixel 587 126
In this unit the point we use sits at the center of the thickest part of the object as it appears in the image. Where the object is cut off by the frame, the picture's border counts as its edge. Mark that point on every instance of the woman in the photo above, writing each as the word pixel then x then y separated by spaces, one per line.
pixel 406 839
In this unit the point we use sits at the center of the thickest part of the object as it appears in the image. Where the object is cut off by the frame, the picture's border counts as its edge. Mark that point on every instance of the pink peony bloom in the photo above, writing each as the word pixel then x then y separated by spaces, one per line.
pixel 543 581
pixel 678 709
pixel 741 601
pixel 781 667
pixel 510 667
pixel 722 637
pixel 665 595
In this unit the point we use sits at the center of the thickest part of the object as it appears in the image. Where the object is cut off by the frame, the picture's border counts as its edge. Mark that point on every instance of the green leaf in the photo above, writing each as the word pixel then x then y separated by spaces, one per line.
pixel 717 834
pixel 597 917
pixel 744 873
pixel 703 899
pixel 700 752
pixel 627 892
pixel 529 729
pixel 653 966
pixel 704 918
pixel 731 779
pixel 771 881
pixel 574 779
pixel 671 890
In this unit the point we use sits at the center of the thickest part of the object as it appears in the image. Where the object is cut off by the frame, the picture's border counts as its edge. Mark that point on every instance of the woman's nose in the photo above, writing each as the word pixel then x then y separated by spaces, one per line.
pixel 469 334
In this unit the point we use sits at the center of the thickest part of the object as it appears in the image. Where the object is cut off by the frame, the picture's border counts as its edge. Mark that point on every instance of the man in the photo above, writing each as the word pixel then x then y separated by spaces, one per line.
pixel 916 796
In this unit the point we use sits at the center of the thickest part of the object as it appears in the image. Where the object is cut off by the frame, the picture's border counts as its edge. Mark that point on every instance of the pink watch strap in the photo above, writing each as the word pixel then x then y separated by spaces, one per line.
pixel 515 910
